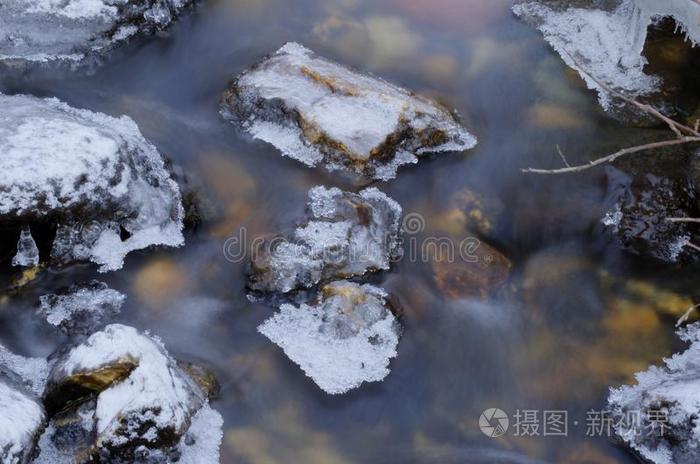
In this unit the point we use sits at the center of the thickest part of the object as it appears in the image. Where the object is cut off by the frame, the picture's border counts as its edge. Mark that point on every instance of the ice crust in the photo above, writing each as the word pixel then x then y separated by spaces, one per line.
pixel 348 234
pixel 674 389
pixel 92 174
pixel 81 308
pixel 70 30
pixel 319 112
pixel 346 339
pixel 607 45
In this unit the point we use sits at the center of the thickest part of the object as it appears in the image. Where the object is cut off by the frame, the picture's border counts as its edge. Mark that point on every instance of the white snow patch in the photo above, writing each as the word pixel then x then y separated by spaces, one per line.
pixel 32 371
pixel 82 304
pixel 207 432
pixel 21 417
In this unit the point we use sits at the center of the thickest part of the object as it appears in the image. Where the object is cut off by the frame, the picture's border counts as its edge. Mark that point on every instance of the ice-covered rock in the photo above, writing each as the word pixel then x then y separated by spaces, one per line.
pixel 319 112
pixel 348 234
pixel 70 30
pixel 607 45
pixel 22 419
pixel 31 372
pixel 660 415
pixel 27 251
pixel 120 397
pixel 346 339
pixel 80 309
pixel 94 175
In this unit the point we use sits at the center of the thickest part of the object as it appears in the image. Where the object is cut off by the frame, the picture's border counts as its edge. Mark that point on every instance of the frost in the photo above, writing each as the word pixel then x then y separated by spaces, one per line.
pixel 21 420
pixel 672 389
pixel 348 338
pixel 202 442
pixel 32 372
pixel 27 251
pixel 347 234
pixel 70 30
pixel 319 112
pixel 608 44
pixel 98 175
pixel 81 308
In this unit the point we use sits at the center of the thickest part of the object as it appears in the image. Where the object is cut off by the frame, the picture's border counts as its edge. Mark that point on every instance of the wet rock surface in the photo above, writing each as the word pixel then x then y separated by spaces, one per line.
pixel 346 338
pixel 81 309
pixel 321 113
pixel 347 235
pixel 120 397
pixel 102 186
pixel 70 31
pixel 604 42
pixel 663 395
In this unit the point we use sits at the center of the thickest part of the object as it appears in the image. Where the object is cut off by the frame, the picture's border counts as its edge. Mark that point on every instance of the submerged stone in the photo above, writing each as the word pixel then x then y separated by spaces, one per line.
pixel 319 112
pixel 605 46
pixel 348 234
pixel 347 338
pixel 119 397
pixel 81 309
pixel 71 30
pixel 664 408
pixel 92 176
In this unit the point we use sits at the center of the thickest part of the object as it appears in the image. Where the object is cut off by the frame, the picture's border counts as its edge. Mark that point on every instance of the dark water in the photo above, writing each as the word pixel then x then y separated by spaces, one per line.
pixel 575 317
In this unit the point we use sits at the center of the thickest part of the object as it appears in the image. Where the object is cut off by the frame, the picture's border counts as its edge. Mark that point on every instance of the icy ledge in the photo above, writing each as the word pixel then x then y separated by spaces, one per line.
pixel 346 339
pixel 673 390
pixel 319 112
pixel 348 234
pixel 70 30
pixel 608 45
pixel 92 174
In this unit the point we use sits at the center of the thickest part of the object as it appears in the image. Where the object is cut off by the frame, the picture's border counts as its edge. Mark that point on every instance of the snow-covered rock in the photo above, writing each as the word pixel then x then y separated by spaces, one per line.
pixel 607 45
pixel 70 30
pixel 319 112
pixel 22 419
pixel 81 309
pixel 348 234
pixel 120 397
pixel 665 407
pixel 27 251
pixel 346 339
pixel 94 175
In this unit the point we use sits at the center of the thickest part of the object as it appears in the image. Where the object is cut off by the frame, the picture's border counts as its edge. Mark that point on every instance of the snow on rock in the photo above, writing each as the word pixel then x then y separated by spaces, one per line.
pixel 607 45
pixel 92 174
pixel 22 420
pixel 81 309
pixel 348 234
pixel 31 372
pixel 128 397
pixel 27 251
pixel 319 112
pixel 70 30
pixel 346 339
pixel 667 430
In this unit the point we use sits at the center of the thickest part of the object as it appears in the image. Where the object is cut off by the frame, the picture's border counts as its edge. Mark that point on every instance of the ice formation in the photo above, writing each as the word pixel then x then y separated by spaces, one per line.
pixel 348 234
pixel 128 397
pixel 70 30
pixel 607 45
pixel 667 431
pixel 319 112
pixel 21 421
pixel 81 309
pixel 94 175
pixel 346 339
pixel 27 251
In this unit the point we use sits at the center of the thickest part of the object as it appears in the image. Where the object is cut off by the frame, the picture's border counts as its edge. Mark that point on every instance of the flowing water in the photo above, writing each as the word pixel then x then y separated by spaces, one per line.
pixel 575 317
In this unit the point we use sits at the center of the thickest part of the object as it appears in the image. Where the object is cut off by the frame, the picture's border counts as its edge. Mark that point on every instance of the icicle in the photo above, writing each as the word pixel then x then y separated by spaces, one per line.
pixel 27 251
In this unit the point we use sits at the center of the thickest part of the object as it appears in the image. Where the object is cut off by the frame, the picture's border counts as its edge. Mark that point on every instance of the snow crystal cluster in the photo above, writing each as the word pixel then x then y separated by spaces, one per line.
pixel 348 234
pixel 346 339
pixel 666 397
pixel 319 112
pixel 606 46
pixel 70 30
pixel 81 309
pixel 93 175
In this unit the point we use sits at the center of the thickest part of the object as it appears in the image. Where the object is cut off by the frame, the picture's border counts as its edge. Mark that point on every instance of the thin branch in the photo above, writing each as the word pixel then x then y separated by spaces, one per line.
pixel 561 154
pixel 690 244
pixel 682 219
pixel 614 156
pixel 687 314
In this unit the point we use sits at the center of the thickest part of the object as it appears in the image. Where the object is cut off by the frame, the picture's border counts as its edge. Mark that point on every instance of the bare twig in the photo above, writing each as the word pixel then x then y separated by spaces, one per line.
pixel 563 158
pixel 687 314
pixel 690 244
pixel 682 219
